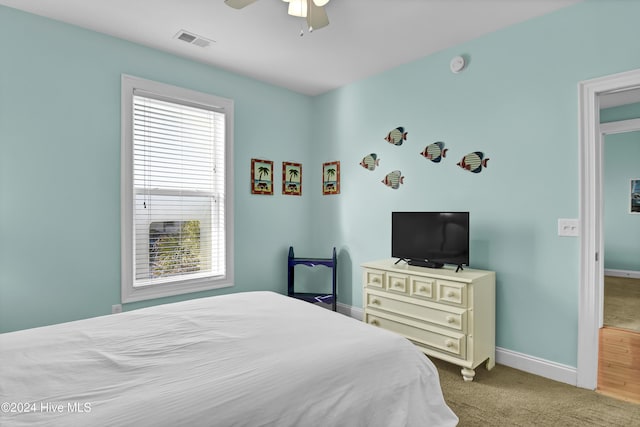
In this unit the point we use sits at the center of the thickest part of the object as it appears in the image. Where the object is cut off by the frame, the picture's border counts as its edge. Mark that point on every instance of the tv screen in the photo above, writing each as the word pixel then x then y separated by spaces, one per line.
pixel 430 239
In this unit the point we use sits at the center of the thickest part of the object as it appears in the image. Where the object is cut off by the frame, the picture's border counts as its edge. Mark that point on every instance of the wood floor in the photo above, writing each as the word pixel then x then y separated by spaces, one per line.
pixel 619 364
pixel 619 347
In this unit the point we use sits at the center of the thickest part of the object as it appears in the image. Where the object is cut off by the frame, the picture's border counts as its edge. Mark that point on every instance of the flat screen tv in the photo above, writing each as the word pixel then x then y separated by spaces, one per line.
pixel 430 239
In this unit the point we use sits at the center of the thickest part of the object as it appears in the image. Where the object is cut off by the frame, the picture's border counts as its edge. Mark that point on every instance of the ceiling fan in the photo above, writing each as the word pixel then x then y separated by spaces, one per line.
pixel 313 10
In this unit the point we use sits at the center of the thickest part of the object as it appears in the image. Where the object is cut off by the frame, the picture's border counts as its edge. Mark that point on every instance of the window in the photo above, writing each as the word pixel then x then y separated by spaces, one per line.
pixel 177 220
pixel 174 248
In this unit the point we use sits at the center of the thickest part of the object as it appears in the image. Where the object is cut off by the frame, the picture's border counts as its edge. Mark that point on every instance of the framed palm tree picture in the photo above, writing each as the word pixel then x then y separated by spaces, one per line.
pixel 261 176
pixel 331 178
pixel 292 179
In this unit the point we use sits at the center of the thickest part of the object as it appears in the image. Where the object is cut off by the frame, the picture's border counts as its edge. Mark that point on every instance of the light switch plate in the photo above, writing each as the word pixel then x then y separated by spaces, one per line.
pixel 568 227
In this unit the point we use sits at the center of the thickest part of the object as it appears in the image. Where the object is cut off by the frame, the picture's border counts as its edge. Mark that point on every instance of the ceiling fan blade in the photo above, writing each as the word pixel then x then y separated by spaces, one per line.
pixel 239 4
pixel 316 16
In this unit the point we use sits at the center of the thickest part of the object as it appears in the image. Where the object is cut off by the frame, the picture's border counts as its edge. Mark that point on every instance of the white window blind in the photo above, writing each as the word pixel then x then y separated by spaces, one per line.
pixel 179 183
pixel 176 196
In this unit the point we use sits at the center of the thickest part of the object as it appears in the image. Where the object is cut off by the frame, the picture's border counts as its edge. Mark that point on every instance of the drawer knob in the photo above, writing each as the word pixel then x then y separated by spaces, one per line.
pixel 397 285
pixel 375 280
pixel 423 289
pixel 451 294
pixel 449 343
pixel 451 319
pixel 375 301
pixel 374 322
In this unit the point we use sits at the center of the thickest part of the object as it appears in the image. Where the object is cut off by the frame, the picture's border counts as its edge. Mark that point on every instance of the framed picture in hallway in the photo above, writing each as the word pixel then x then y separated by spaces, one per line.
pixel 635 196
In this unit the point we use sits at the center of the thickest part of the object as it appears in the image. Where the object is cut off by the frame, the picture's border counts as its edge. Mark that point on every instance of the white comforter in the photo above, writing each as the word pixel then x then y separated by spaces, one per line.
pixel 246 359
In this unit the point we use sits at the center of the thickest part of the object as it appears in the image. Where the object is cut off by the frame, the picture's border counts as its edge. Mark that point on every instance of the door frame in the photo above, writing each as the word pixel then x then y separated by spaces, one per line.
pixel 591 288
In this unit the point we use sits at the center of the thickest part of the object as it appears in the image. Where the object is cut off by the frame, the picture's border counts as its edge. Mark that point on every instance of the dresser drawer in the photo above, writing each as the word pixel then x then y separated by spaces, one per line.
pixel 439 314
pixel 374 279
pixel 422 287
pixel 452 292
pixel 398 283
pixel 454 344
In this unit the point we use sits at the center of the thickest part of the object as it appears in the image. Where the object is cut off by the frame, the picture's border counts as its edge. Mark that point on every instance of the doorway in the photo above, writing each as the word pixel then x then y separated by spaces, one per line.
pixel 619 337
pixel 590 307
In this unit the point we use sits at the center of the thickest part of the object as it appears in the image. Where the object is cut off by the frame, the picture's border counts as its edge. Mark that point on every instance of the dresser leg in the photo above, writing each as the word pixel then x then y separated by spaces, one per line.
pixel 491 362
pixel 468 374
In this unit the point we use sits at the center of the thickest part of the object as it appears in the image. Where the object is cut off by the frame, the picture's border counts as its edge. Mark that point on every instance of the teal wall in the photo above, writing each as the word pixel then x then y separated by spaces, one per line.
pixel 517 101
pixel 621 154
pixel 623 112
pixel 60 169
pixel 621 228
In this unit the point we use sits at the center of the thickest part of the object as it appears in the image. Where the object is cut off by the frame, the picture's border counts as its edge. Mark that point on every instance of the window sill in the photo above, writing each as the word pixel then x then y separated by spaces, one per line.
pixel 148 292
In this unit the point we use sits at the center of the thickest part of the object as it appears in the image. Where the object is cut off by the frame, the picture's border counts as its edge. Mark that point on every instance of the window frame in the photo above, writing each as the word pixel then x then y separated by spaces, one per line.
pixel 130 292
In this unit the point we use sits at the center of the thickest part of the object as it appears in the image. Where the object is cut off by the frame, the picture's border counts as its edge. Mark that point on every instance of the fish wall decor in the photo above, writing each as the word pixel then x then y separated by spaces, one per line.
pixel 474 162
pixel 370 161
pixel 393 179
pixel 435 152
pixel 396 136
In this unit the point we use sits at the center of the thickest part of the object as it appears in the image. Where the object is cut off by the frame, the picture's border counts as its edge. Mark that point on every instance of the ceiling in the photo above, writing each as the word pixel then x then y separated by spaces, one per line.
pixel 617 98
pixel 262 41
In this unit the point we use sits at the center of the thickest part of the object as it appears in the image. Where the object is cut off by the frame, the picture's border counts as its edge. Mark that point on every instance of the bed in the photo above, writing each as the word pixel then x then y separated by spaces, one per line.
pixel 244 359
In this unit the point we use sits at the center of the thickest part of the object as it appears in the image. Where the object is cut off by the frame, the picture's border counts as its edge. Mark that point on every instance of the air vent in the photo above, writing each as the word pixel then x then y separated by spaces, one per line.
pixel 193 39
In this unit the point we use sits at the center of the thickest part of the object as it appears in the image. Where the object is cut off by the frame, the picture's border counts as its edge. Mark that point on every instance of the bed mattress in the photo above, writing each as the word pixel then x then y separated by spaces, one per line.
pixel 244 359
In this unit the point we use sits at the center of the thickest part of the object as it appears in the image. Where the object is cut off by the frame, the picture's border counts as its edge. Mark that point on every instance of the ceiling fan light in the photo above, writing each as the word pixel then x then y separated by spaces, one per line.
pixel 298 8
pixel 320 3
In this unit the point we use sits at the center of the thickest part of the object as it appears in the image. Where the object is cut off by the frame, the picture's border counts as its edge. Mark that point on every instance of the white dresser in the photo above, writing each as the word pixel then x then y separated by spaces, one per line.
pixel 448 315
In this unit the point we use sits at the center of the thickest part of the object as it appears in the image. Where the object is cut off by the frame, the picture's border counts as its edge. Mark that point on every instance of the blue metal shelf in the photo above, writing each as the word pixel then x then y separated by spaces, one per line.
pixel 331 263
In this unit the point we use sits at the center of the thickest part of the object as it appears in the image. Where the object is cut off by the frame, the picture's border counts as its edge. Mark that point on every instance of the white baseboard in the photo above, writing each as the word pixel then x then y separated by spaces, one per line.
pixel 622 273
pixel 348 310
pixel 535 365
pixel 513 359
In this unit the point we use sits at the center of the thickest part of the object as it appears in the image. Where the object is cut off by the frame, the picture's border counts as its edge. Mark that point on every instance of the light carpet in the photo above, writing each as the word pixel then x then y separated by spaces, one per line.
pixel 508 397
pixel 622 302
